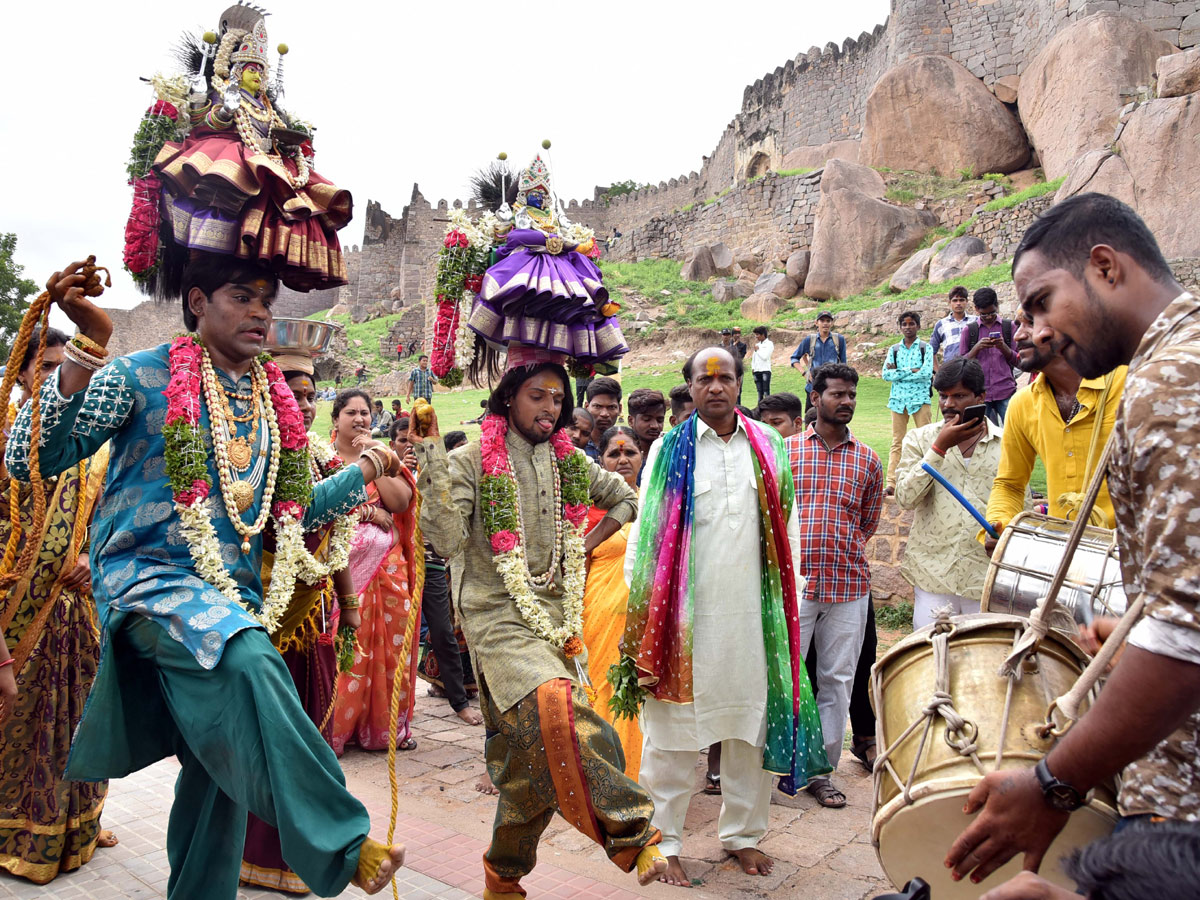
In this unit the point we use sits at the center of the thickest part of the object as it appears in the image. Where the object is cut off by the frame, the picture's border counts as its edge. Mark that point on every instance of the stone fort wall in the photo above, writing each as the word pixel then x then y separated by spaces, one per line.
pixel 810 107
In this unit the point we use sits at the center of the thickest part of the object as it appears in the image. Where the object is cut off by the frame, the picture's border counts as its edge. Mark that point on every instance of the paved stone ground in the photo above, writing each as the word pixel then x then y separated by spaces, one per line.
pixel 445 824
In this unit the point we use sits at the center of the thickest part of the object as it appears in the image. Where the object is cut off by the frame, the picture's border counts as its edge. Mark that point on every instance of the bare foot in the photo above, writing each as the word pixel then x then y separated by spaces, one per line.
pixel 470 716
pixel 754 862
pixel 484 785
pixel 655 872
pixel 106 839
pixel 387 867
pixel 675 874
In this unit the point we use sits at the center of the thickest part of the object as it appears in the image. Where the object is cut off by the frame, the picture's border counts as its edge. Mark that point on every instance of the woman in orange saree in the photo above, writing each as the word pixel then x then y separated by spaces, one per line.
pixel 606 597
pixel 387 567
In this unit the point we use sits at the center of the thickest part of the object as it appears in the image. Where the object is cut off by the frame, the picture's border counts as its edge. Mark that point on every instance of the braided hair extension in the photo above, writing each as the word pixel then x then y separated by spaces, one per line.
pixel 37 314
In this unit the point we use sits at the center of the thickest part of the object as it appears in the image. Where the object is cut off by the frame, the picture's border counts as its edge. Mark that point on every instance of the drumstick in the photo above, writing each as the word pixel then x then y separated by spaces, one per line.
pixel 954 492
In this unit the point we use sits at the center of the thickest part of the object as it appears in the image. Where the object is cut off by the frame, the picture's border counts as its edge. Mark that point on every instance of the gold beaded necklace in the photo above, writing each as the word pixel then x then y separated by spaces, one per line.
pixel 238 495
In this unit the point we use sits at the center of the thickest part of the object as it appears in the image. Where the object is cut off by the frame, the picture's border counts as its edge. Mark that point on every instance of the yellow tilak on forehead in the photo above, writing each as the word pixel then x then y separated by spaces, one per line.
pixel 620 442
pixel 713 366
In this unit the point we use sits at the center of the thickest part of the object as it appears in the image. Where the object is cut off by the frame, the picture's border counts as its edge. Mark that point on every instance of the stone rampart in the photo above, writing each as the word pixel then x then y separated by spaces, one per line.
pixel 770 207
pixel 1001 229
pixel 809 107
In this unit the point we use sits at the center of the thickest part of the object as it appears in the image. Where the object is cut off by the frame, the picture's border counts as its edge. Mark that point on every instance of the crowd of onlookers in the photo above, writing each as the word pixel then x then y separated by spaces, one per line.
pixel 967 367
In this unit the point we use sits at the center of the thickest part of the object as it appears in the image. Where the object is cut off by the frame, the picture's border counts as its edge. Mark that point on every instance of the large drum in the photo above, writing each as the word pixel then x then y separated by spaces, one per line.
pixel 922 786
pixel 1027 556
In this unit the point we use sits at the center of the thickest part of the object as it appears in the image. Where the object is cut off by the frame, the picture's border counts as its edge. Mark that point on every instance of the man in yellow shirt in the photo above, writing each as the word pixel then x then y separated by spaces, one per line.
pixel 1055 418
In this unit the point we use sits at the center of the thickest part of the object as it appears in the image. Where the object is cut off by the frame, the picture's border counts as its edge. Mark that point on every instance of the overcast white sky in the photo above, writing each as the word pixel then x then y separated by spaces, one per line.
pixel 399 92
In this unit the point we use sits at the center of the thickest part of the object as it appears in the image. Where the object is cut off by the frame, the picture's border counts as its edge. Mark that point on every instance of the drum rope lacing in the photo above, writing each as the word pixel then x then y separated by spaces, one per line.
pixel 961 734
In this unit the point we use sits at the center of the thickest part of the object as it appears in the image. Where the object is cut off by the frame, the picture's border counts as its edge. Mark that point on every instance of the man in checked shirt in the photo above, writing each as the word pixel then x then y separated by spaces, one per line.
pixel 839 492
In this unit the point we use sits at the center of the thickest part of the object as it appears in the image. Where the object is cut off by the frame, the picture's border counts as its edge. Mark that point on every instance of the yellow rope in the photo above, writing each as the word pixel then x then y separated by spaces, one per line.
pixel 414 616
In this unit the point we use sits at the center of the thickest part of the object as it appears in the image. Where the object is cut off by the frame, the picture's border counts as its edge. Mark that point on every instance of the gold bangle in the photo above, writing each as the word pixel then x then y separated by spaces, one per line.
pixel 86 343
pixel 350 601
pixel 375 461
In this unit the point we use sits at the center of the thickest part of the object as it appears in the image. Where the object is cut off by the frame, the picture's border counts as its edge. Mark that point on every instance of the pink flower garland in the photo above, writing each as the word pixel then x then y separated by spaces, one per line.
pixel 445 328
pixel 494 454
pixel 183 390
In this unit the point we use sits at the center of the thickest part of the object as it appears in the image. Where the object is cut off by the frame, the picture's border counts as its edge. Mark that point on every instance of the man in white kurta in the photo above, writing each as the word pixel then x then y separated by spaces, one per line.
pixel 729 665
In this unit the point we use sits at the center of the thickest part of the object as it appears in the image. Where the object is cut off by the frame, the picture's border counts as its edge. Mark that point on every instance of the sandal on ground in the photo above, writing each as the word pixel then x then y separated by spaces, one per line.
pixel 712 783
pixel 861 749
pixel 407 744
pixel 826 794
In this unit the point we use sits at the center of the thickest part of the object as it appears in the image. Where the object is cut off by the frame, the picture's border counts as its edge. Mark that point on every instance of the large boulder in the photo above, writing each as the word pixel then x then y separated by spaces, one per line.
pixel 722 258
pixel 1161 148
pixel 930 114
pixel 1071 91
pixel 858 239
pixel 778 283
pixel 957 258
pixel 1101 171
pixel 914 271
pixel 699 266
pixel 1179 73
pixel 840 175
pixel 749 262
pixel 1160 140
pixel 761 307
pixel 817 155
pixel 1007 88
pixel 797 266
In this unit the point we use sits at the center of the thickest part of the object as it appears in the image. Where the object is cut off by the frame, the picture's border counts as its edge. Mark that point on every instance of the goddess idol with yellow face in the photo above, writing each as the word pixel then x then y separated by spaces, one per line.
pixel 241 182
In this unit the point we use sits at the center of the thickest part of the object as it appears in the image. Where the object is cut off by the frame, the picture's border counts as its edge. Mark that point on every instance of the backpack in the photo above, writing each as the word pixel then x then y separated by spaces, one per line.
pixel 812 347
pixel 1006 330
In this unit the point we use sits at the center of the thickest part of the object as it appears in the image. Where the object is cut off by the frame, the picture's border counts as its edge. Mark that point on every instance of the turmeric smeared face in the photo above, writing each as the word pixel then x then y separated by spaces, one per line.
pixel 251 78
pixel 714 388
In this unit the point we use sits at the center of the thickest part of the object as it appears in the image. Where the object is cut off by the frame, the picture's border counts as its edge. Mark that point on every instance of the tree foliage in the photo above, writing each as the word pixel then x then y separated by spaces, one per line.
pixel 622 187
pixel 15 292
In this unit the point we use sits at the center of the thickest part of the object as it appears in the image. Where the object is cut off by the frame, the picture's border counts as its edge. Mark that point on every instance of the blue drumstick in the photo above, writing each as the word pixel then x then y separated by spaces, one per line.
pixel 954 492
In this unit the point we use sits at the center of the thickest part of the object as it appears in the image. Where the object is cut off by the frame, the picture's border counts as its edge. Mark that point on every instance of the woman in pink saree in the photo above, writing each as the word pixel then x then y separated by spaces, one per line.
pixel 387 569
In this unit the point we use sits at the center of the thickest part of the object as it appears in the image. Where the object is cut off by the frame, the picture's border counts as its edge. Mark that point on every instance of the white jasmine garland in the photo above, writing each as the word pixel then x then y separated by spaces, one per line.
pixel 464 340
pixel 514 572
pixel 195 522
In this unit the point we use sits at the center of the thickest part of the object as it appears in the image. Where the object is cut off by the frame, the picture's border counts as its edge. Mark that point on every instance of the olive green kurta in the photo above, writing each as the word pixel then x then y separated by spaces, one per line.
pixel 505 651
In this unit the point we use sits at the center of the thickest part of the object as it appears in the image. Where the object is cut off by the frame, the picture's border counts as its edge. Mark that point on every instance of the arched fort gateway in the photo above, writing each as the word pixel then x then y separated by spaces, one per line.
pixel 808 110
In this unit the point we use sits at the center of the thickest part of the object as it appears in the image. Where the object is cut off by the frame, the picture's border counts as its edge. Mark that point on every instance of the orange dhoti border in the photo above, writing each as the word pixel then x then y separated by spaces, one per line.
pixel 551 752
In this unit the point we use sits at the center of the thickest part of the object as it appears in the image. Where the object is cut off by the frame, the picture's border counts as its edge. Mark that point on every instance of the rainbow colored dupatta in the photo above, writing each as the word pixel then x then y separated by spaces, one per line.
pixel 658 630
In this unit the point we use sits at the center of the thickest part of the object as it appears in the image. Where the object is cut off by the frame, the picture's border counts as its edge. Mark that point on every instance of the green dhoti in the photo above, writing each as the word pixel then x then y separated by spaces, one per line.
pixel 244 743
pixel 550 752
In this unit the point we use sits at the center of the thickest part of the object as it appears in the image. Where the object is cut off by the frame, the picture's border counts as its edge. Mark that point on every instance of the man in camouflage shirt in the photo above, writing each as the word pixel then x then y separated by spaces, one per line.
pixel 1091 276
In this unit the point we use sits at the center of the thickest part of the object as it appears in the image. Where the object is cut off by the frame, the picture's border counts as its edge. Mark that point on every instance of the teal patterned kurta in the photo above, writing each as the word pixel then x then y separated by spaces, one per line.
pixel 141 563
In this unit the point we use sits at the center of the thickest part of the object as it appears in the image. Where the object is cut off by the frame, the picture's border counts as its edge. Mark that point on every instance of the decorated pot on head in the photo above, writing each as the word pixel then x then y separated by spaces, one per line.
pixel 218 166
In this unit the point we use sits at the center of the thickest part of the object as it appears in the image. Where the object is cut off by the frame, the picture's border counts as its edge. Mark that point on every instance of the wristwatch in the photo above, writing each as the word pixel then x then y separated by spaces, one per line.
pixel 1058 794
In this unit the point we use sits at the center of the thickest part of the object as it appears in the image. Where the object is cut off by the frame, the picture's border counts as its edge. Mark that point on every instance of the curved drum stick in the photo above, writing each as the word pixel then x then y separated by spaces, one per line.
pixel 954 492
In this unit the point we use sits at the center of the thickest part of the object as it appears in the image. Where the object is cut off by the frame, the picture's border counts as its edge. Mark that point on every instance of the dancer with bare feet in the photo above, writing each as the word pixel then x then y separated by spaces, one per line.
pixel 515 501
pixel 711 646
pixel 187 668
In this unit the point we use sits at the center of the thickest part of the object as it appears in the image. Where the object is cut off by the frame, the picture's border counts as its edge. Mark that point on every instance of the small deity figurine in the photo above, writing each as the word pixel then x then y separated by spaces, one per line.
pixel 535 199
pixel 543 290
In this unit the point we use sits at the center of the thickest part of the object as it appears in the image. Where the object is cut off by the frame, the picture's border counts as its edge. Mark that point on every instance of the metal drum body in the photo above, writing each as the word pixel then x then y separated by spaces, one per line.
pixel 1027 556
pixel 912 836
